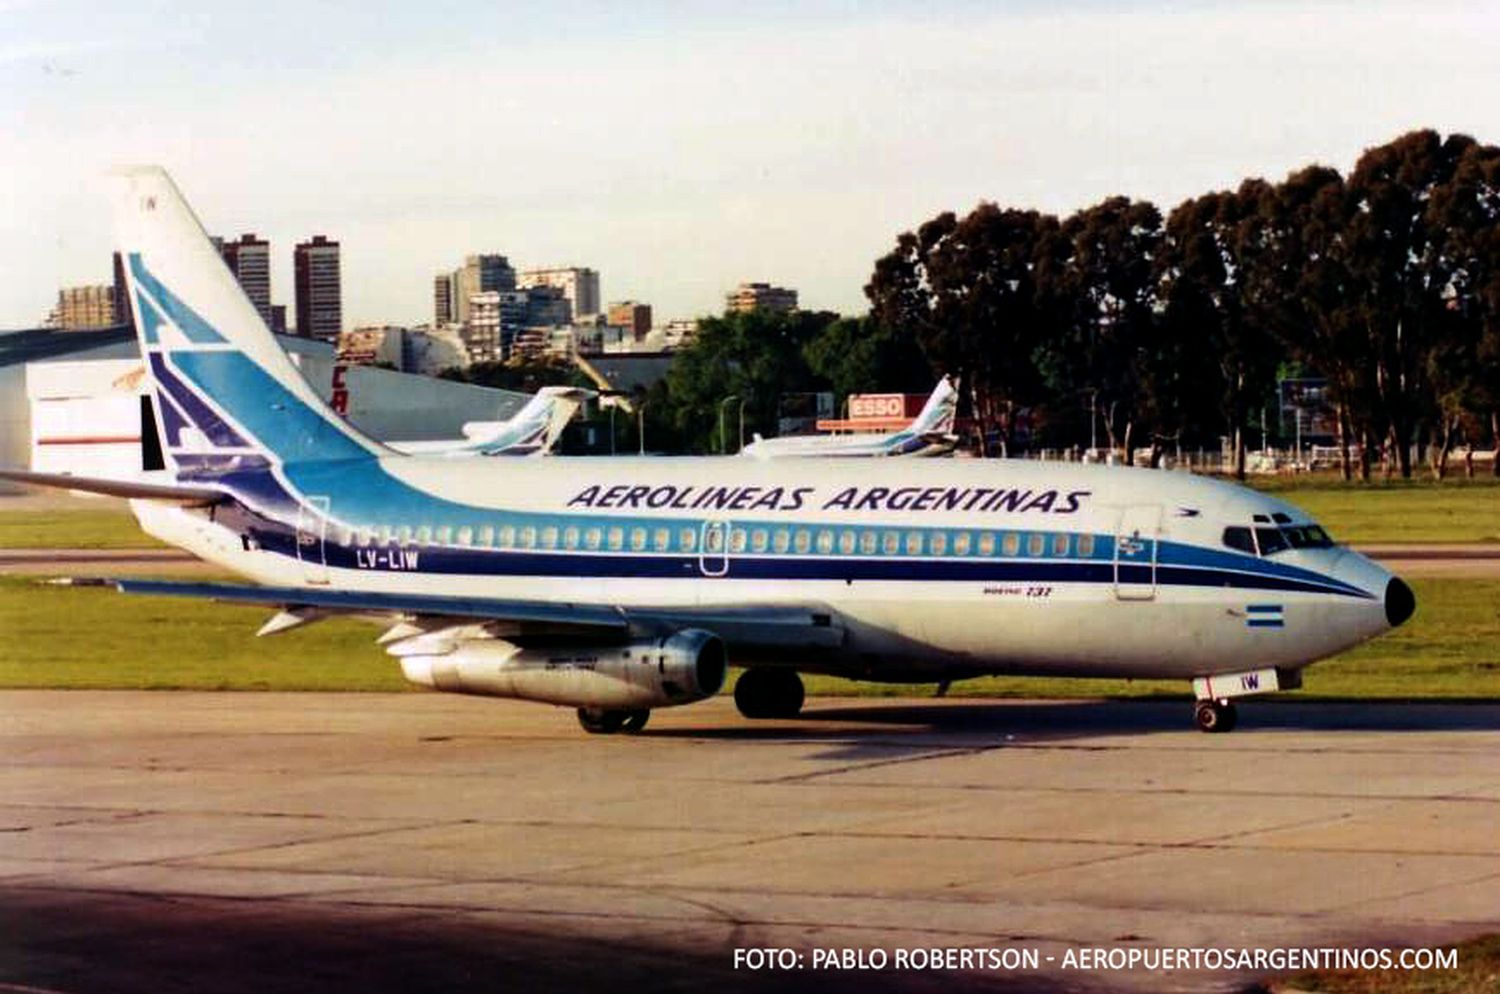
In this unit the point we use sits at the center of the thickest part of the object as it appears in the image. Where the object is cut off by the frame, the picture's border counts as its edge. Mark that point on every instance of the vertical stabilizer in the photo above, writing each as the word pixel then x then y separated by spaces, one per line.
pixel 226 394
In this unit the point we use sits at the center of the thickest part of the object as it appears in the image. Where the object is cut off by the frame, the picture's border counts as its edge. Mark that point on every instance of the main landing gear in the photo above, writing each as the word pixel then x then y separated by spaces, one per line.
pixel 1215 716
pixel 599 721
pixel 769 693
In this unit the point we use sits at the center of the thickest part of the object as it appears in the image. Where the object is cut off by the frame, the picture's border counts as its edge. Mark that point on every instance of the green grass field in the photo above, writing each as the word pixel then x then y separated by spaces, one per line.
pixel 94 637
pixel 1398 511
pixel 112 528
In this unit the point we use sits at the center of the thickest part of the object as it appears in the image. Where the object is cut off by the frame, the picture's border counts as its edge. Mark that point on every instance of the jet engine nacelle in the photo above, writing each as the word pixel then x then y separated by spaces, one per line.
pixel 680 668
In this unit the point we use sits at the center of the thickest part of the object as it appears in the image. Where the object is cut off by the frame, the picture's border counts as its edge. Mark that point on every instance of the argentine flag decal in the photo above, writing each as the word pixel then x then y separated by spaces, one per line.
pixel 1264 616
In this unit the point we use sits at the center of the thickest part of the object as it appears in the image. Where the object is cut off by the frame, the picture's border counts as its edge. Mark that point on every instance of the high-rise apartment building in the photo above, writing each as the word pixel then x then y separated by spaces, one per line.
pixel 120 295
pixel 580 286
pixel 633 316
pixel 760 296
pixel 249 259
pixel 320 312
pixel 83 307
pixel 479 274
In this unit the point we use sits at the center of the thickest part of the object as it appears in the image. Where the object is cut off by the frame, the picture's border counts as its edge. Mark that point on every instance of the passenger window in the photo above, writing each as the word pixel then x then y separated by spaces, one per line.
pixel 825 541
pixel 1271 541
pixel 759 539
pixel 1239 539
pixel 386 534
pixel 802 541
pixel 868 542
pixel 424 535
pixel 570 536
pixel 1011 544
pixel 689 539
pixel 890 543
pixel 1060 545
pixel 637 539
pixel 663 539
pixel 937 543
pixel 593 537
pixel 913 543
pixel 782 540
pixel 1035 542
pixel 526 538
pixel 1086 546
pixel 443 535
pixel 466 535
pixel 403 534
pixel 962 543
pixel 616 537
pixel 549 537
pixel 987 544
pixel 507 536
pixel 737 540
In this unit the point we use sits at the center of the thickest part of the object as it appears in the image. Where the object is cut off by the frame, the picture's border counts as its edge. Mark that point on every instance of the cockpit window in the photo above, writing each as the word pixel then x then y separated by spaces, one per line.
pixel 1271 541
pixel 1239 539
pixel 1280 519
pixel 1307 537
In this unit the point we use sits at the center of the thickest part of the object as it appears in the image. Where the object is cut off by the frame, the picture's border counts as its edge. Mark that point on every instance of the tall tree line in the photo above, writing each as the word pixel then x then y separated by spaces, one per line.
pixel 1174 329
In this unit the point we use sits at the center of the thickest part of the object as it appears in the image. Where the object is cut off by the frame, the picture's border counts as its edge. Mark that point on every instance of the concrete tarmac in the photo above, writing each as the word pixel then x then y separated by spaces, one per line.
pixel 407 842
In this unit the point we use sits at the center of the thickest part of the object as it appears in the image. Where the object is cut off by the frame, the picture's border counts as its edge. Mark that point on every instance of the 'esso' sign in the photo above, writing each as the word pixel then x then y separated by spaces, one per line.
pixel 877 405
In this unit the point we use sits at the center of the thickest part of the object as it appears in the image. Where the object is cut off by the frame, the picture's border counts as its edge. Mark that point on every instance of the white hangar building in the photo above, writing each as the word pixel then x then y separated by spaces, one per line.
pixel 70 401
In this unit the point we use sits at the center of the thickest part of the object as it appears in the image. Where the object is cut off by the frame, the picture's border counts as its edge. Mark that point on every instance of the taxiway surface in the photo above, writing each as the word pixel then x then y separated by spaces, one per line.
pixel 280 842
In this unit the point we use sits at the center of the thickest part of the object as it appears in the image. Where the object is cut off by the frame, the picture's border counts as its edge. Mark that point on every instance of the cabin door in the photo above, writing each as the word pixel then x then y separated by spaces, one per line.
pixel 713 548
pixel 1135 553
pixel 312 535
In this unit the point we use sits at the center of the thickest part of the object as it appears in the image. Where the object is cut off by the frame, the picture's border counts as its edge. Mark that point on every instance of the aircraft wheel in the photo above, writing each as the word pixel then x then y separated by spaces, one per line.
pixel 635 721
pixel 769 693
pixel 598 721
pixel 1215 716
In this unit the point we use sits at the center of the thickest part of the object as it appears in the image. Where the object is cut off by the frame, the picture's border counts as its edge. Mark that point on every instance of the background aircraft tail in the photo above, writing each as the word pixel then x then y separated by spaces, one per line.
pixel 225 394
pixel 937 415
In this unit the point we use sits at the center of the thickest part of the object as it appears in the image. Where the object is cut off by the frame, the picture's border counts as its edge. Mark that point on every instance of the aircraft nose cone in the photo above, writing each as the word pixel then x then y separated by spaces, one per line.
pixel 1400 602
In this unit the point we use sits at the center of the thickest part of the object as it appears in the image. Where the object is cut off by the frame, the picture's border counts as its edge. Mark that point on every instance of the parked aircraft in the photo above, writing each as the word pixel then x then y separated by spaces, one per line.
pixel 618 585
pixel 532 431
pixel 929 434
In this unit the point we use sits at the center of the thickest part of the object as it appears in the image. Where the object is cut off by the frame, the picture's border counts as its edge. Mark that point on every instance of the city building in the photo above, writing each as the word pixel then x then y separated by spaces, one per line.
pixel 760 296
pixel 547 307
pixel 633 316
pixel 442 300
pixel 81 308
pixel 320 311
pixel 679 333
pixel 249 259
pixel 120 294
pixel 579 285
pixel 478 274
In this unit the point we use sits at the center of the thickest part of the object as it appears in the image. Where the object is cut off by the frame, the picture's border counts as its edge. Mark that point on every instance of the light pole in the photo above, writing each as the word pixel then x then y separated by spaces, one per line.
pixel 640 424
pixel 723 442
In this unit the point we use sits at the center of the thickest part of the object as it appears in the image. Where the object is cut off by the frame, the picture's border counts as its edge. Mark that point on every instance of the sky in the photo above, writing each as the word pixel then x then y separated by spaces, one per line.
pixel 681 148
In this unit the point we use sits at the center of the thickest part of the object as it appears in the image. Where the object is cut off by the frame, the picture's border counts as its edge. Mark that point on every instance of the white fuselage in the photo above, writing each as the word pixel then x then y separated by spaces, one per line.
pixel 932 566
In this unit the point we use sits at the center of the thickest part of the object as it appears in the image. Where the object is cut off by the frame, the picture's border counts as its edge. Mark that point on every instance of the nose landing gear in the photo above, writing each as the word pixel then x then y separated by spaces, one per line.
pixel 1215 716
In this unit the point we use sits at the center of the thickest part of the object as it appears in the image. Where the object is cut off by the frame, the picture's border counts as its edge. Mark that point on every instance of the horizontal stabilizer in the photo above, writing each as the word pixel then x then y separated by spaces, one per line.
pixel 116 488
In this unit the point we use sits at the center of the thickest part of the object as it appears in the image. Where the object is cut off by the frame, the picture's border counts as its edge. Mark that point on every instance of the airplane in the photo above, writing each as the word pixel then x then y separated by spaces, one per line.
pixel 929 434
pixel 617 585
pixel 532 431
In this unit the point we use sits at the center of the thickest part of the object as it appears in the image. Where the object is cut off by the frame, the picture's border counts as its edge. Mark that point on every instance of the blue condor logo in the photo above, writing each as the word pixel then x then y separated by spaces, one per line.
pixel 694 498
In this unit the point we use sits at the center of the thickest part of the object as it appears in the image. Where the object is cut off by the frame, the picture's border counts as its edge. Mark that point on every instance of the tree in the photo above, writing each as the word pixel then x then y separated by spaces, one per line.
pixel 1095 285
pixel 755 356
pixel 858 355
pixel 966 291
pixel 1212 354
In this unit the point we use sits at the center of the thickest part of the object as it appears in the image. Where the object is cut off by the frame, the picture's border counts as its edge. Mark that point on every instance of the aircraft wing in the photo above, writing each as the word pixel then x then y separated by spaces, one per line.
pixel 789 626
pixel 116 488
